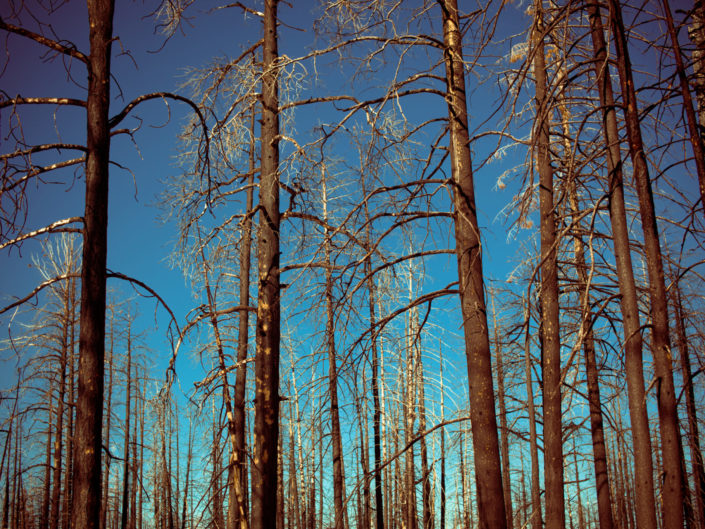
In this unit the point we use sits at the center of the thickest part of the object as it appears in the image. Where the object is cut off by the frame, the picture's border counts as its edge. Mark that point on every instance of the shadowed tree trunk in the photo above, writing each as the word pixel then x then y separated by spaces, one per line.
pixel 89 404
pixel 490 496
pixel 376 411
pixel 535 513
pixel 126 454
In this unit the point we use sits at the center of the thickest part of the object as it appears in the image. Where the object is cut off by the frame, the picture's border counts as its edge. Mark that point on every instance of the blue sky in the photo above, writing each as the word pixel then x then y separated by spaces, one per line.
pixel 139 244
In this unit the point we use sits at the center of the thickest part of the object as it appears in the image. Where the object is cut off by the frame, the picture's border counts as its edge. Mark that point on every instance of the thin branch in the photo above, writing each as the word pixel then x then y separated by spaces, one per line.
pixel 51 228
pixel 49 43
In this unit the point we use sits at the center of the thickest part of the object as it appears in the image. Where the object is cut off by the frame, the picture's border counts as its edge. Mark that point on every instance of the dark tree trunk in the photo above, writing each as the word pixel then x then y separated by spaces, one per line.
pixel 691 409
pixel 551 361
pixel 240 510
pixel 696 139
pixel 376 411
pixel 89 404
pixel 503 430
pixel 602 484
pixel 535 513
pixel 266 428
pixel 126 454
pixel 106 429
pixel 58 437
pixel 490 496
pixel 643 471
pixel 44 512
pixel 672 489
pixel 336 438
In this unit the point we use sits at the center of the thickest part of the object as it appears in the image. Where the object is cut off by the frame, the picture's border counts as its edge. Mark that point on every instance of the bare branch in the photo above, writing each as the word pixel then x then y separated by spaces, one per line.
pixel 37 290
pixel 55 227
pixel 49 43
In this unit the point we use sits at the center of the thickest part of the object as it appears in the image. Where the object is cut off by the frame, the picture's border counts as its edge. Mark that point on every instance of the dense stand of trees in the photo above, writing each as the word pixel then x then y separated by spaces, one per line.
pixel 326 208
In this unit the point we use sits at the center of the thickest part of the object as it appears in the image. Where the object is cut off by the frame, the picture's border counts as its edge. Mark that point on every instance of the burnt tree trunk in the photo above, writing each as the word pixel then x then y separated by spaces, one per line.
pixel 503 430
pixel 696 140
pixel 691 409
pixel 551 361
pixel 336 437
pixel 266 427
pixel 490 495
pixel 239 463
pixel 602 484
pixel 672 489
pixel 126 454
pixel 643 464
pixel 89 403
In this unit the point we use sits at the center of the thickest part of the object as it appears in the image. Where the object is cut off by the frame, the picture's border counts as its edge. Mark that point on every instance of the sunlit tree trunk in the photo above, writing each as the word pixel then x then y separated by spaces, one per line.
pixel 410 519
pixel 426 491
pixel 443 444
pixel 490 496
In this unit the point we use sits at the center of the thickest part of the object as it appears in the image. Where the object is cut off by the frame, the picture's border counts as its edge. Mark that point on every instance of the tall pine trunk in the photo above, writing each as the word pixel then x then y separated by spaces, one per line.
pixel 336 438
pixel 643 464
pixel 602 484
pixel 266 427
pixel 490 495
pixel 503 429
pixel 691 408
pixel 551 343
pixel 89 404
pixel 672 489
pixel 239 464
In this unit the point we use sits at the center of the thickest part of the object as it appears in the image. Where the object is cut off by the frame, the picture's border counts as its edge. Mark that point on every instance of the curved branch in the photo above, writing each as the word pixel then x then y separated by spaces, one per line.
pixel 71 51
pixel 117 118
pixel 41 286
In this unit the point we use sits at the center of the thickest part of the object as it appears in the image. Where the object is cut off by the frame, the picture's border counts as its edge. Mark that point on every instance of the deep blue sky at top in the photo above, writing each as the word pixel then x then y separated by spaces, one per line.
pixel 144 62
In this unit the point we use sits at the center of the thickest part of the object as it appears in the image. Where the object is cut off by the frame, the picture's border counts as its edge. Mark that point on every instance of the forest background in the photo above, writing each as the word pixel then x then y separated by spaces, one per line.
pixel 374 424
